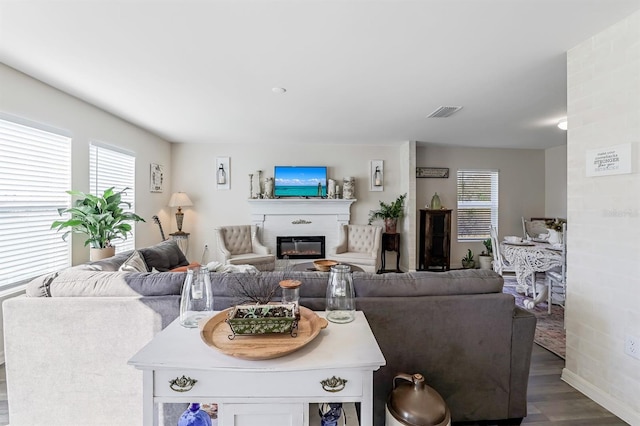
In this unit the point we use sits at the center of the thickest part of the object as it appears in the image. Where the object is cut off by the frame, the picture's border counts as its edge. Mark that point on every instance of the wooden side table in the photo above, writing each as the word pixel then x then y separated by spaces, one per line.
pixel 182 238
pixel 390 242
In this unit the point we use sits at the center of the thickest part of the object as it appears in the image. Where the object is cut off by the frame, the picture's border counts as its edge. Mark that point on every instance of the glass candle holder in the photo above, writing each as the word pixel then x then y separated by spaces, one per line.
pixel 291 293
pixel 196 300
pixel 341 305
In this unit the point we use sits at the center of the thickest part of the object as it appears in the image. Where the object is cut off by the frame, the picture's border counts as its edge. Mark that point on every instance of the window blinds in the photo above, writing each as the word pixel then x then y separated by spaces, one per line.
pixel 35 172
pixel 477 203
pixel 109 167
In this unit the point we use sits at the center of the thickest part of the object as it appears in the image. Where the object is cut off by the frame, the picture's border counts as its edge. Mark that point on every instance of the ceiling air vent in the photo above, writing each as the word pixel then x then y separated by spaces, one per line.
pixel 444 111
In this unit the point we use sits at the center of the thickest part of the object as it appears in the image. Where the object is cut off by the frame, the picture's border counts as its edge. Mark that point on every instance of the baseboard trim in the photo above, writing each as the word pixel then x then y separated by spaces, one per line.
pixel 618 408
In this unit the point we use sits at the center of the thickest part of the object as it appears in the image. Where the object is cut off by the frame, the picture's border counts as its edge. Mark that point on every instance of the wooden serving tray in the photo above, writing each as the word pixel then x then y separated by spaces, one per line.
pixel 215 333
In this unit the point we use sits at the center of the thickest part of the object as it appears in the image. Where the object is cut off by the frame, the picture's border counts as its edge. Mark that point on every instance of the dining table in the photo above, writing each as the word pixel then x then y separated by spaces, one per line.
pixel 528 257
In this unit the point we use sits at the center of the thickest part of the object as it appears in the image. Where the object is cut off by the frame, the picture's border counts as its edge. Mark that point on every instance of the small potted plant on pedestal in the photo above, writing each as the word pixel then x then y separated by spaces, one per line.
pixel 486 256
pixel 390 213
pixel 467 261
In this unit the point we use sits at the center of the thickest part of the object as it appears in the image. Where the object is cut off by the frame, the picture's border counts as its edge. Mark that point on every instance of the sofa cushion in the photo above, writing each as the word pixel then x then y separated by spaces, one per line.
pixel 423 283
pixel 76 283
pixel 184 268
pixel 164 256
pixel 135 263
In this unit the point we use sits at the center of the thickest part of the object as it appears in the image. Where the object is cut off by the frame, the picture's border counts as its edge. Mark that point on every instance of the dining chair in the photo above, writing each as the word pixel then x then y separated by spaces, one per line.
pixel 557 278
pixel 533 227
pixel 500 265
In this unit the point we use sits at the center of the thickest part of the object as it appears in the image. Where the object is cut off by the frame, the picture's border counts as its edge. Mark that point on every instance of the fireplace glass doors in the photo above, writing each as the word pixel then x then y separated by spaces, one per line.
pixel 307 247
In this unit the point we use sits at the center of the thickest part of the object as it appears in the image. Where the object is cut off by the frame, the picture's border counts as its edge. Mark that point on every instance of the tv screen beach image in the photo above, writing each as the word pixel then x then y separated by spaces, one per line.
pixel 300 181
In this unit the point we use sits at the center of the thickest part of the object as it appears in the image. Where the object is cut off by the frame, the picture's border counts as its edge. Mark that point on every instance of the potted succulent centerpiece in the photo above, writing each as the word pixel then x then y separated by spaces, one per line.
pixel 262 319
pixel 101 218
pixel 467 261
pixel 486 256
pixel 255 313
pixel 390 213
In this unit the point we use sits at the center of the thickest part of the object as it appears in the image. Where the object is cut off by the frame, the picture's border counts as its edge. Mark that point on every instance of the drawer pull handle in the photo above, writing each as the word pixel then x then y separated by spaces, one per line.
pixel 182 384
pixel 334 384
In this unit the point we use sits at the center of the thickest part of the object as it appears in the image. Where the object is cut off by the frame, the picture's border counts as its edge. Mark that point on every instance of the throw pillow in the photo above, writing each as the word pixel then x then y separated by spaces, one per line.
pixel 135 263
pixel 164 256
pixel 184 268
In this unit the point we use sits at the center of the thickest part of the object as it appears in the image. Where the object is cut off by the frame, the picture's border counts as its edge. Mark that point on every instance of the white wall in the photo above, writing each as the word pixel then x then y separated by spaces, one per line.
pixel 28 98
pixel 194 166
pixel 521 186
pixel 603 302
pixel 555 187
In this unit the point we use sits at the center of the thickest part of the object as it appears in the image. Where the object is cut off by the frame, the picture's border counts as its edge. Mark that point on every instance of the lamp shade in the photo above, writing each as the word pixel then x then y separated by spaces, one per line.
pixel 179 199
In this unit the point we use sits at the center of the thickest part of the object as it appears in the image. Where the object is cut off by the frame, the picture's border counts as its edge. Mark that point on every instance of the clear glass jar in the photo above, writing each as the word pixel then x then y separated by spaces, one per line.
pixel 291 293
pixel 196 300
pixel 341 304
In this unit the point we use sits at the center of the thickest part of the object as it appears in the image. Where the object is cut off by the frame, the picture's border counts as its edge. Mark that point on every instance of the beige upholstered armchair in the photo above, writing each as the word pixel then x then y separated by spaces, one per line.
pixel 359 245
pixel 239 245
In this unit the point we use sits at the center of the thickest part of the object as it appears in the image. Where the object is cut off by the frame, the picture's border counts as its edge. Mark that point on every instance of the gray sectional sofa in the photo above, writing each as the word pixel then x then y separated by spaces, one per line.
pixel 67 352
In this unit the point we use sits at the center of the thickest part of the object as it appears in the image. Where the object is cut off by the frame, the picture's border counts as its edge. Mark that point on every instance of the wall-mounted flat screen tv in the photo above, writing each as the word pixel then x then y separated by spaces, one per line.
pixel 300 181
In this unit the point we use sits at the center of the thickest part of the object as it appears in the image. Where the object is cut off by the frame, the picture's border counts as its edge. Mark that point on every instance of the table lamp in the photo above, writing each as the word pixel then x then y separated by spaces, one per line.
pixel 179 200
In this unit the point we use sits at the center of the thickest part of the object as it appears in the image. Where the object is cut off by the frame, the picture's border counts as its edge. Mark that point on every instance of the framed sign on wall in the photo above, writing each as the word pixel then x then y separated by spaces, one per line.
pixel 432 172
pixel 156 178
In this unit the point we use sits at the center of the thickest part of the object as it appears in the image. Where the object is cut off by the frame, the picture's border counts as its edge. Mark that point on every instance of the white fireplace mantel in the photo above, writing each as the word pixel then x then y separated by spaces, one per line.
pixel 299 217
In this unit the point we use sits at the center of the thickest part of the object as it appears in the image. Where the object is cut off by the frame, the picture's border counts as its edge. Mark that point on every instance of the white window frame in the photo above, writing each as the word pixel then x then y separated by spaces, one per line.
pixel 35 173
pixel 464 204
pixel 111 166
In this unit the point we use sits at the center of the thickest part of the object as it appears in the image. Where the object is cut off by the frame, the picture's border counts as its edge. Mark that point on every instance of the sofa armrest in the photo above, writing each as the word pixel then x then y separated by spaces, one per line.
pixel 222 248
pixel 524 328
pixel 64 352
pixel 256 245
pixel 342 241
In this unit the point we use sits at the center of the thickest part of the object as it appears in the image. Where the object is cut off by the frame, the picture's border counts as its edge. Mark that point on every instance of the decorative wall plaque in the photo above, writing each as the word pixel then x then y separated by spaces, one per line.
pixel 432 172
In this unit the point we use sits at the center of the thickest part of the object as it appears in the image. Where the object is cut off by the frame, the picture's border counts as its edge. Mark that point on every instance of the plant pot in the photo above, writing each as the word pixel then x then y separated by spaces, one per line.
pixel 468 264
pixel 262 319
pixel 390 225
pixel 485 262
pixel 101 253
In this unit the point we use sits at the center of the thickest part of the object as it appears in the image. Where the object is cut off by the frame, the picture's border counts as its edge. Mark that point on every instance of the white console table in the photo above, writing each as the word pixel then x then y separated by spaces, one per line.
pixel 275 392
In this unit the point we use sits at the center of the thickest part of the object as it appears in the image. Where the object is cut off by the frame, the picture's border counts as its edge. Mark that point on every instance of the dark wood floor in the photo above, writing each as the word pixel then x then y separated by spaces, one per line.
pixel 550 400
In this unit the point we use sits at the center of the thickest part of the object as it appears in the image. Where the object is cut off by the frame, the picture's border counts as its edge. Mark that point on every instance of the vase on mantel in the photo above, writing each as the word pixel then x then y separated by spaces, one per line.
pixel 435 202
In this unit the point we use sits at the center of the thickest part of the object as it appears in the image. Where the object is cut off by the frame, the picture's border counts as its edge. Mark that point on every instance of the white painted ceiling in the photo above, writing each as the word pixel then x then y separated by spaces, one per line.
pixel 355 71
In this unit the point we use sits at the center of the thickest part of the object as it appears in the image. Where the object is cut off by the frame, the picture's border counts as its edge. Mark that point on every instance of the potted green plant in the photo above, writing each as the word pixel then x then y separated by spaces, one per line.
pixel 486 256
pixel 390 213
pixel 467 261
pixel 100 217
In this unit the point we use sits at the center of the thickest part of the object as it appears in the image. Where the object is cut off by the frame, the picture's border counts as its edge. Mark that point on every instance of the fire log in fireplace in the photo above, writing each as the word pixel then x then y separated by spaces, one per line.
pixel 307 247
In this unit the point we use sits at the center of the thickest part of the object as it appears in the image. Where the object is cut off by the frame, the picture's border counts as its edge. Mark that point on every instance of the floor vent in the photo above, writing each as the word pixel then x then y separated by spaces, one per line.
pixel 444 111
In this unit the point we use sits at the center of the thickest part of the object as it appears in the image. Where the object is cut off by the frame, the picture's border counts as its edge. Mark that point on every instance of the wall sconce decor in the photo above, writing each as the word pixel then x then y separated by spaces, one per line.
pixel 223 173
pixel 376 175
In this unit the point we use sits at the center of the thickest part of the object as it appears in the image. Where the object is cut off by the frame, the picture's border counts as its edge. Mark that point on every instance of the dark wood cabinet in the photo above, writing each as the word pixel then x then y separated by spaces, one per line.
pixel 435 240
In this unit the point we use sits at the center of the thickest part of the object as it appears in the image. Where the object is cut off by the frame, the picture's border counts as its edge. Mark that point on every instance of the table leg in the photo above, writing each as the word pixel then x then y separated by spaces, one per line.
pixel 398 260
pixel 148 412
pixel 366 405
